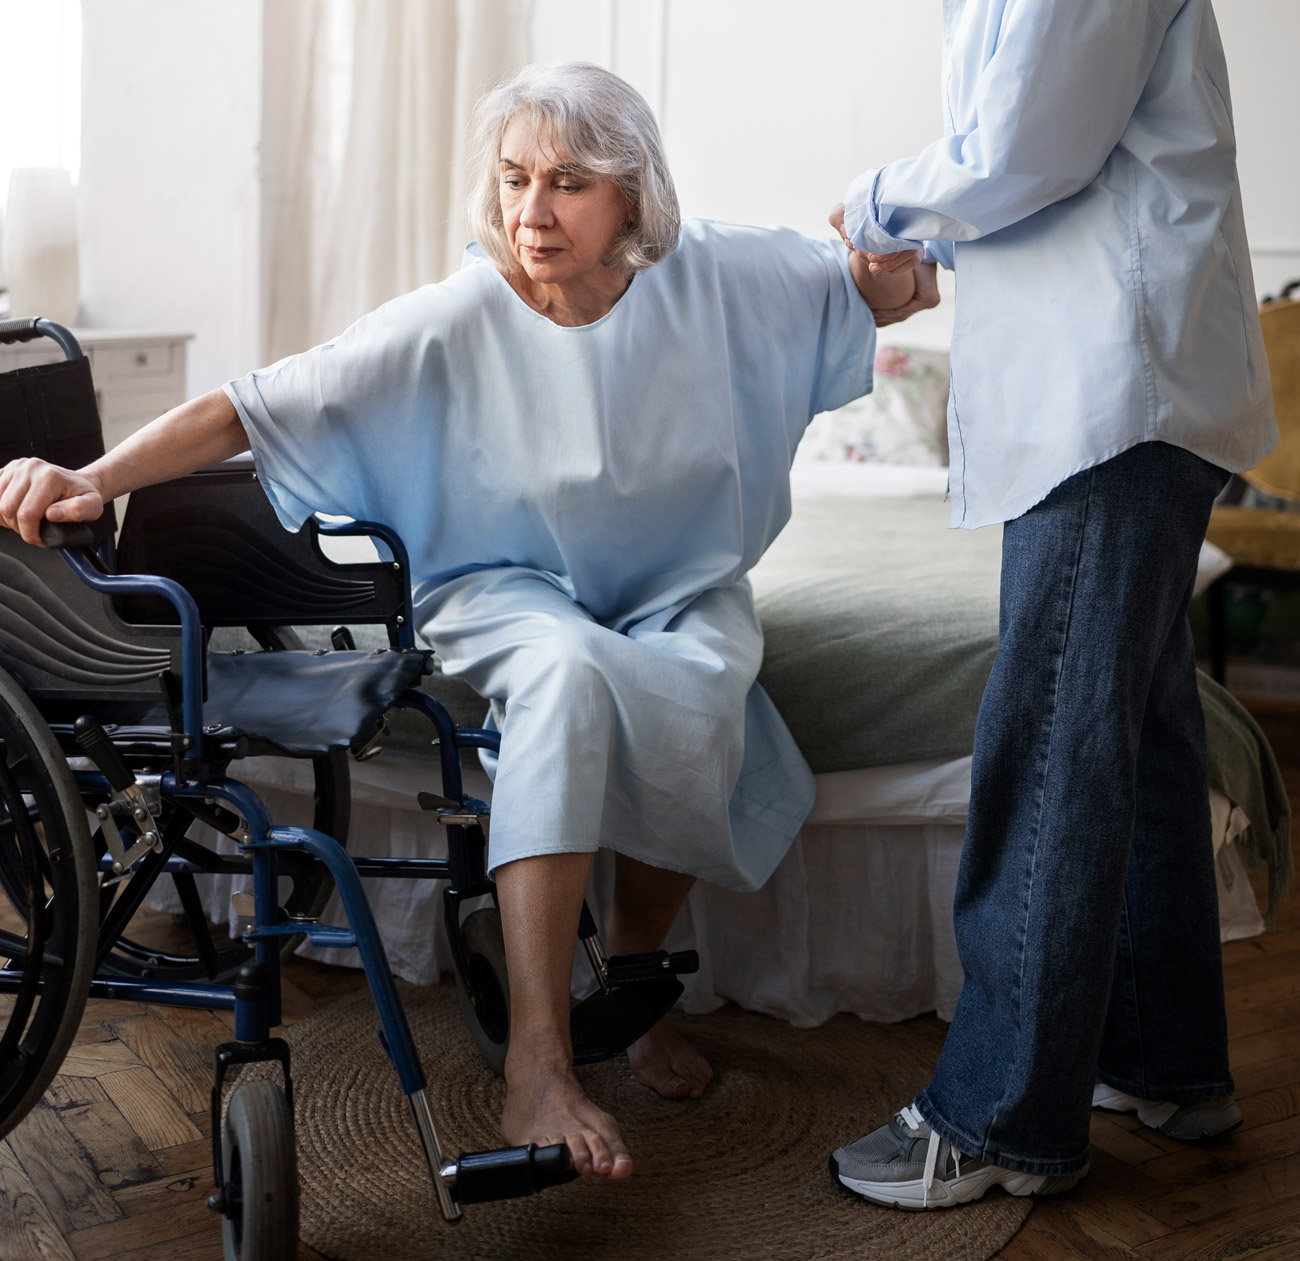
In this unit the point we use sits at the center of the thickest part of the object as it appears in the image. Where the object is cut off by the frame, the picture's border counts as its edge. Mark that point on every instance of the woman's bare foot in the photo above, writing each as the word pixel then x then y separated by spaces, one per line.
pixel 663 1060
pixel 545 1106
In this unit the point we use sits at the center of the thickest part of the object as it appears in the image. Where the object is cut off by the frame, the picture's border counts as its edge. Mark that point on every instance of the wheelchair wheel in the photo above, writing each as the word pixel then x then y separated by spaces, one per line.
pixel 260 1210
pixel 48 916
pixel 487 1009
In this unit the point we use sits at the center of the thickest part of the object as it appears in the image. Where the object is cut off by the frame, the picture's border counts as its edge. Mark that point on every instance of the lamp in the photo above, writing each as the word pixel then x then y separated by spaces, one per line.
pixel 40 244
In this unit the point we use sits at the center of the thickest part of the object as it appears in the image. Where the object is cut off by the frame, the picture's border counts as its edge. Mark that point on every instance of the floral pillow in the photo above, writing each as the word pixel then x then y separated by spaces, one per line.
pixel 902 421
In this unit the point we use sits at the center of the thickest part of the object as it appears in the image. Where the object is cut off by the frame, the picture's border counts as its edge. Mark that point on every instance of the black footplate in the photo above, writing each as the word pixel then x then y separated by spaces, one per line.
pixel 511 1172
pixel 611 1019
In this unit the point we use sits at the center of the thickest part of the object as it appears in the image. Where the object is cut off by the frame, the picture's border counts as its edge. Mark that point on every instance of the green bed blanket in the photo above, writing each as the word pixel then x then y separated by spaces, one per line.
pixel 881 627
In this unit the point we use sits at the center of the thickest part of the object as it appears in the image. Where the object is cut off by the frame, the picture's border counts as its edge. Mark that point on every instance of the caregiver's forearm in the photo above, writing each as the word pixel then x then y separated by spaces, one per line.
pixel 204 431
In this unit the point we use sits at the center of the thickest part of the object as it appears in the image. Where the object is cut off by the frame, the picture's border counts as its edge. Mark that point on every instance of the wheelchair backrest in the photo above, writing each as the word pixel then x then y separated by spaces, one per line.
pixel 50 411
pixel 216 533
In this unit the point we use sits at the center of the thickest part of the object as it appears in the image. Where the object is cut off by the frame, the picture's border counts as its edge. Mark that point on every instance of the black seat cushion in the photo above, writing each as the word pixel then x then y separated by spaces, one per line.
pixel 304 703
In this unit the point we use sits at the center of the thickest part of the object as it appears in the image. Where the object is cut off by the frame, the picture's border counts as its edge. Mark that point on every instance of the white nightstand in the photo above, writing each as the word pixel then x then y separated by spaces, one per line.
pixel 137 375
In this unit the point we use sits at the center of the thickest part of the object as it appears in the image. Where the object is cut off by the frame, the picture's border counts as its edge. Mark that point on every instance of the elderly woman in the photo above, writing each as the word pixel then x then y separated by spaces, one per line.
pixel 584 437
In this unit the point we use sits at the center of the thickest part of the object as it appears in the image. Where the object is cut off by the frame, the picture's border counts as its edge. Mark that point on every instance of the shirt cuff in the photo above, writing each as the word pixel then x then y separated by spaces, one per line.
pixel 861 223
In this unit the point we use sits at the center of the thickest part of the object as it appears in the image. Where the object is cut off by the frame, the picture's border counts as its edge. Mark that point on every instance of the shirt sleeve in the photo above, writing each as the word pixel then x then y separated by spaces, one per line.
pixel 940 252
pixel 330 429
pixel 1051 103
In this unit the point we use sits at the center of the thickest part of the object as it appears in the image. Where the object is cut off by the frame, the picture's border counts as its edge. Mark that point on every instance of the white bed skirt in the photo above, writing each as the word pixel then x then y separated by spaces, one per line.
pixel 856 918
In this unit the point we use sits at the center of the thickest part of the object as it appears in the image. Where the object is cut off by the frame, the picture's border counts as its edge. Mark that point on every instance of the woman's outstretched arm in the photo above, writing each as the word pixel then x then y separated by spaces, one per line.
pixel 204 431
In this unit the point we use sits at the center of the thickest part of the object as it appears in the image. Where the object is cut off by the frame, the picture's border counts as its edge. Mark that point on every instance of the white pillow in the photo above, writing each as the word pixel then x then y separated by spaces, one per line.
pixel 902 421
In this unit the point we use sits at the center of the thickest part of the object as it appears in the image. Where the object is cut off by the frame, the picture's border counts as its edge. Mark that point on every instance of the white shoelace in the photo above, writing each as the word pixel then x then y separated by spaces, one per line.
pixel 914 1121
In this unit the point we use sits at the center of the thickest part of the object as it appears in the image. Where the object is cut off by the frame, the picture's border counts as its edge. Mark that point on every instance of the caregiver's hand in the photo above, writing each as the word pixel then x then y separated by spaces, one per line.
pixel 925 296
pixel 31 490
pixel 879 264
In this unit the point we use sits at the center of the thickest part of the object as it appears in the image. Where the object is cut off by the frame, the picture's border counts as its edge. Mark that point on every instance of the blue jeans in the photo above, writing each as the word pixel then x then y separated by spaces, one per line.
pixel 1086 909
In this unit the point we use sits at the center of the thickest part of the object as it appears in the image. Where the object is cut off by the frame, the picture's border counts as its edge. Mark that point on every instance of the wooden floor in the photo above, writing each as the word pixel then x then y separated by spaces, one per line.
pixel 115 1162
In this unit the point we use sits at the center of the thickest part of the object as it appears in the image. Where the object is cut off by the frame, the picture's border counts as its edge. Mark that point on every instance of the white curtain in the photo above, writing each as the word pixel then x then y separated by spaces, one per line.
pixel 365 110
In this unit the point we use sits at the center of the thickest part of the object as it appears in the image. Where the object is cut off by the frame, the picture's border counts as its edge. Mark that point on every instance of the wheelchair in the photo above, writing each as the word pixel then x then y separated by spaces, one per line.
pixel 121 729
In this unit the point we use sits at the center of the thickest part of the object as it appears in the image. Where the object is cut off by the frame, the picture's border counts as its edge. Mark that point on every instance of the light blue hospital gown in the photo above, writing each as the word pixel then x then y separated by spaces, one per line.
pixel 581 506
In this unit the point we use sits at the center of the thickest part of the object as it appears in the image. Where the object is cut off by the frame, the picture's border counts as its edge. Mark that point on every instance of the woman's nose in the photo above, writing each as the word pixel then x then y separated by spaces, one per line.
pixel 536 212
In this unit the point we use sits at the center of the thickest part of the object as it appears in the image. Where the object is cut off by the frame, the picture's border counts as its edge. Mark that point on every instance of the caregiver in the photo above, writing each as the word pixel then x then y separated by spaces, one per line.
pixel 584 438
pixel 1108 372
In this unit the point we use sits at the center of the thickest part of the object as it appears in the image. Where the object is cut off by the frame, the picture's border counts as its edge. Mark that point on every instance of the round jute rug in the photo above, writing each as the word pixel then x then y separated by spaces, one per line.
pixel 740 1174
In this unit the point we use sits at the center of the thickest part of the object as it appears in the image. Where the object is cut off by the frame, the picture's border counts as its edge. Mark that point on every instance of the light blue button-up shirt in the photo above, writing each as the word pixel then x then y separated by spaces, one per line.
pixel 1087 195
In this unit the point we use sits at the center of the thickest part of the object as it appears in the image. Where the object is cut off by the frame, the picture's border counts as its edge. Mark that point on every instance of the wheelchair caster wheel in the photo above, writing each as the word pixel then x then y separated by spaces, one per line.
pixel 487 1008
pixel 259 1198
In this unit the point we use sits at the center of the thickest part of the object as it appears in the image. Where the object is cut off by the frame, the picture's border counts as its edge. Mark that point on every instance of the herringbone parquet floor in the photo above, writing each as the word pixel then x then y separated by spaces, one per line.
pixel 116 1160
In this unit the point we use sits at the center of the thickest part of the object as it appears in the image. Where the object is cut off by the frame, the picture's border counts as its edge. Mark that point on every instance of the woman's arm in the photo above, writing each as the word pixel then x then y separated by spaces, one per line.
pixel 204 431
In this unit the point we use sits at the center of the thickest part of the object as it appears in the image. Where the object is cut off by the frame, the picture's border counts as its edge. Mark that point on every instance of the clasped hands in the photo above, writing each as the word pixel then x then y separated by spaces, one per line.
pixel 894 285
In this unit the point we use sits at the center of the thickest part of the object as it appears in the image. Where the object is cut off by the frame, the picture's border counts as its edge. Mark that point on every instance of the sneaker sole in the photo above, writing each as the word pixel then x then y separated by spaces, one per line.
pixel 1155 1116
pixel 911 1196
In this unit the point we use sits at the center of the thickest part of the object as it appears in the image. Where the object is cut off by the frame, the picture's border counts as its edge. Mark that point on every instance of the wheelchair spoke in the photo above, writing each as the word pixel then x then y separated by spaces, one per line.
pixel 197 919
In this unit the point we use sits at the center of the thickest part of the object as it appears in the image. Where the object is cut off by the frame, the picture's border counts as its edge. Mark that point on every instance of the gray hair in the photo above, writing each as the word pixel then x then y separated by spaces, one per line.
pixel 602 125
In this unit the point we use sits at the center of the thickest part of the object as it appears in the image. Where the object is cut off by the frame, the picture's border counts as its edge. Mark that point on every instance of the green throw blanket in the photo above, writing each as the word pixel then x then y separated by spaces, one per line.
pixel 881 627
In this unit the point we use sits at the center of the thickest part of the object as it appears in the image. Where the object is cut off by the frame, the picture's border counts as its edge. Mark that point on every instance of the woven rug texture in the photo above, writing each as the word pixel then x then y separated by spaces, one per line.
pixel 741 1173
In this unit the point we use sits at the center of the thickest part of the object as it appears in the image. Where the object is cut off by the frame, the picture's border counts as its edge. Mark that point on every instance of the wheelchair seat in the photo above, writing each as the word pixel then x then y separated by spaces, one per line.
pixel 304 704
pixel 283 704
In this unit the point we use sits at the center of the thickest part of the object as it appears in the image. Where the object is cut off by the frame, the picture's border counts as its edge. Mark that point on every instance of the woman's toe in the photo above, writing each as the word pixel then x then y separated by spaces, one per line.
pixel 622 1162
pixel 580 1153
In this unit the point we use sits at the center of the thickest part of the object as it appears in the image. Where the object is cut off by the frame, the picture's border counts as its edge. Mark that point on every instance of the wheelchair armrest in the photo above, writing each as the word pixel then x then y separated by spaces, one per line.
pixel 396 554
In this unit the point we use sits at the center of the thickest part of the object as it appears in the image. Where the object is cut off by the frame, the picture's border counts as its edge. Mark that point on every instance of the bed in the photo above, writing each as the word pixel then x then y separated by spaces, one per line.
pixel 881 627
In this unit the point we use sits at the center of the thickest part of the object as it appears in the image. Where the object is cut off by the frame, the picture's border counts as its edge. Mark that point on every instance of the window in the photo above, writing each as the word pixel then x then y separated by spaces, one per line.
pixel 42 72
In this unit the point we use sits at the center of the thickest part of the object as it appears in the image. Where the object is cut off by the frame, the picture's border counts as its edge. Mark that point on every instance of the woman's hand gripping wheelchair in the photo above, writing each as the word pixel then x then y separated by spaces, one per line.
pixel 111 707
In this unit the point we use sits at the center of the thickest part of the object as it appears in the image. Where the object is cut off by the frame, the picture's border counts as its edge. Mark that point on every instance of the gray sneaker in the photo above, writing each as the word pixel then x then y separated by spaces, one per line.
pixel 1189 1122
pixel 905 1164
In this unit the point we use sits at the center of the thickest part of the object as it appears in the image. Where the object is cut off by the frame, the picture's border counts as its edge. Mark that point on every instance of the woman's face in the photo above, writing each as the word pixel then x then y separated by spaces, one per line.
pixel 560 221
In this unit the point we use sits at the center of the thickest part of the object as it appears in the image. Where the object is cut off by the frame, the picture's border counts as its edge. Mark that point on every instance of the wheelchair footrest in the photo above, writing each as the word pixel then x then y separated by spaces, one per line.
pixel 511 1172
pixel 633 969
pixel 614 1017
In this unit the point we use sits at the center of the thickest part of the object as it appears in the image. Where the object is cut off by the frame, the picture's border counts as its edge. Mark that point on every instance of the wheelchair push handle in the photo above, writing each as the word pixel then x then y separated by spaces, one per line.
pixel 511 1172
pixel 67 536
pixel 29 327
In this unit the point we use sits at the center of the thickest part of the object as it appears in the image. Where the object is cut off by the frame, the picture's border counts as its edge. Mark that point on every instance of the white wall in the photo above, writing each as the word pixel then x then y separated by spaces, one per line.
pixel 1262 41
pixel 769 108
pixel 169 200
